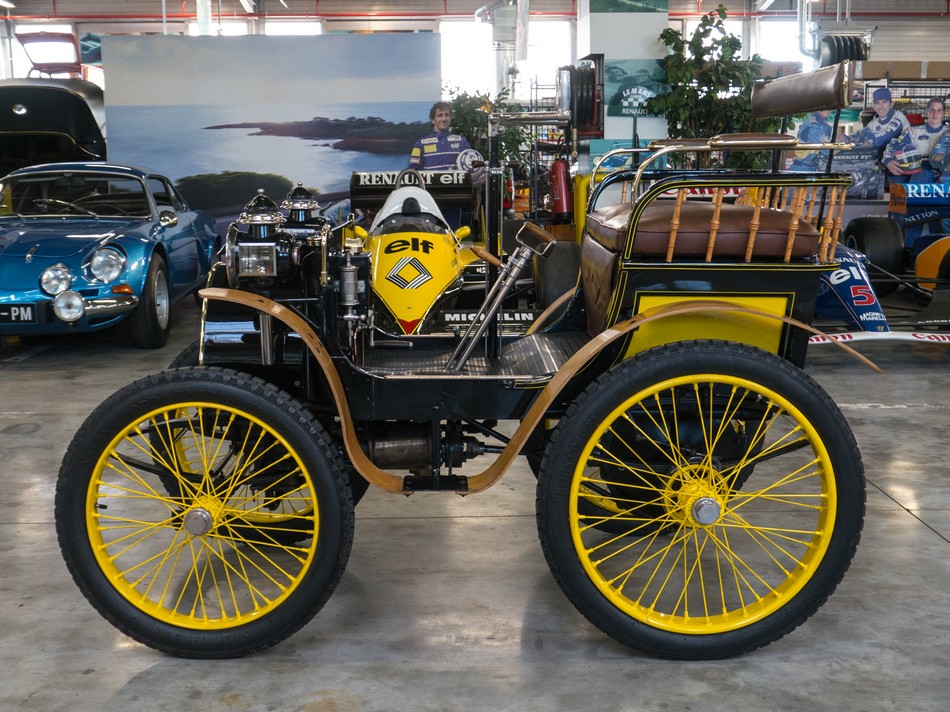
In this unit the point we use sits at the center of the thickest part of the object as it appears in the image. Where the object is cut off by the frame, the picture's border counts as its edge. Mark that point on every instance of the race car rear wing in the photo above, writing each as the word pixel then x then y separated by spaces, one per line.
pixel 369 189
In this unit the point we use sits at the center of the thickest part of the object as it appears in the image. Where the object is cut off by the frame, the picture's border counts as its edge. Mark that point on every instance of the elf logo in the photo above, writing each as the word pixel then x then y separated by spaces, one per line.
pixel 415 245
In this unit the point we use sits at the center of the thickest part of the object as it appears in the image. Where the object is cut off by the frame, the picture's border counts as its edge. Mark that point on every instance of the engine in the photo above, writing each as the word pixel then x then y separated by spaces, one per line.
pixel 301 258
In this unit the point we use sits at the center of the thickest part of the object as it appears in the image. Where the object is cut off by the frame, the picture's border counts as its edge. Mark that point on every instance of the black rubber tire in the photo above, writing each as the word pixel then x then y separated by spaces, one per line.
pixel 642 588
pixel 881 241
pixel 189 358
pixel 254 591
pixel 150 322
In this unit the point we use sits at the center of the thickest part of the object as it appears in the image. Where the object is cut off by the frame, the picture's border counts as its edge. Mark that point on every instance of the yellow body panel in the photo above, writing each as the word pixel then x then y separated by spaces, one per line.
pixel 928 261
pixel 742 327
pixel 411 270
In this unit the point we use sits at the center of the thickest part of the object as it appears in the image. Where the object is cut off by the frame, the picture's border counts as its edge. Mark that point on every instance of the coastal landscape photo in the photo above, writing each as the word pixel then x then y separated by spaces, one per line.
pixel 221 114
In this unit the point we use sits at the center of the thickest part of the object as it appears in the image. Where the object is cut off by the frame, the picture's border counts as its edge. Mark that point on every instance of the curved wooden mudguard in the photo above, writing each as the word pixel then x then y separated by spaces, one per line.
pixel 485 479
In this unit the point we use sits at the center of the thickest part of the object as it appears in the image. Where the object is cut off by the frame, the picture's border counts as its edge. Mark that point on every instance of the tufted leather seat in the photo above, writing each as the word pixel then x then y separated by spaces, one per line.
pixel 609 228
pixel 605 238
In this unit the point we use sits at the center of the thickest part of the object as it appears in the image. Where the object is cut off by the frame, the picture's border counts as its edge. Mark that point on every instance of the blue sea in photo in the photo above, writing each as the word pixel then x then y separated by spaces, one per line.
pixel 175 140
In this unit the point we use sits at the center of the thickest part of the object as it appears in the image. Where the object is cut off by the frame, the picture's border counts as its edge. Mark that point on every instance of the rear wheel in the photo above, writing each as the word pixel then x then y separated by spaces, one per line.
pixel 204 513
pixel 733 490
pixel 880 239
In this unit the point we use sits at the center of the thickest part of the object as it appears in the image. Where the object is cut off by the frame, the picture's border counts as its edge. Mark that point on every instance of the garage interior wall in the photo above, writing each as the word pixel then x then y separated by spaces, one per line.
pixel 905 30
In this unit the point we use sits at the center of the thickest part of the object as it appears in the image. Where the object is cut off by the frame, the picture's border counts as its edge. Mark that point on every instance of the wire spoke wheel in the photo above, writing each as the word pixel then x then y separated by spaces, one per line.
pixel 224 513
pixel 701 501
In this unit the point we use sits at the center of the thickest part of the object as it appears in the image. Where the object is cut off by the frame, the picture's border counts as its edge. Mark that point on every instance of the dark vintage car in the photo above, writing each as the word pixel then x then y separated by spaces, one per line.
pixel 84 246
pixel 46 120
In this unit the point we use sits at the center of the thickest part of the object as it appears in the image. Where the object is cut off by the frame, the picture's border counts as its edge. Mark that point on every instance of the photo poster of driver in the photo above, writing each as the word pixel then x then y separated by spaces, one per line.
pixel 629 83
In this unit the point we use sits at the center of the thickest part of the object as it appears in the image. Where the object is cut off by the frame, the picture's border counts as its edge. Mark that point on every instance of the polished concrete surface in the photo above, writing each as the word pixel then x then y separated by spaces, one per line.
pixel 447 603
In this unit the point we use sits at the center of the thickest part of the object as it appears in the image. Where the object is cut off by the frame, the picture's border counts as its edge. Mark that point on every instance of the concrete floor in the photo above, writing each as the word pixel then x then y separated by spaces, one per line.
pixel 447 603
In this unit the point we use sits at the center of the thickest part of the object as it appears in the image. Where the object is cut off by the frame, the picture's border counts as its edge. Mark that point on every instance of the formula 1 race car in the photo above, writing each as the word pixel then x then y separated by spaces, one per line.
pixel 698 494
pixel 893 282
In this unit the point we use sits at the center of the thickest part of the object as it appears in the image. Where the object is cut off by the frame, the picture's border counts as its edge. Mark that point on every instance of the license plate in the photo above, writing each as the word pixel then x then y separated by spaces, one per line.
pixel 17 314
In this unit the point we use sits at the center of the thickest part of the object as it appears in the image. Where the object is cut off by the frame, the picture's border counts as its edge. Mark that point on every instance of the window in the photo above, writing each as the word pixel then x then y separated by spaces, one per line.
pixel 550 45
pixel 40 52
pixel 468 58
pixel 285 28
pixel 778 42
pixel 224 29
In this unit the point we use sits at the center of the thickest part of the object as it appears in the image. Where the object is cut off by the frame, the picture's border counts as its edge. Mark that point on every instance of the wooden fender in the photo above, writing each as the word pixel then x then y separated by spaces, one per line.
pixel 485 479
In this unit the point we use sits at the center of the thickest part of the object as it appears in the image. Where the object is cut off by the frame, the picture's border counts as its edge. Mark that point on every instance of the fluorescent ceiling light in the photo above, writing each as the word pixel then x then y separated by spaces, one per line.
pixel 7 3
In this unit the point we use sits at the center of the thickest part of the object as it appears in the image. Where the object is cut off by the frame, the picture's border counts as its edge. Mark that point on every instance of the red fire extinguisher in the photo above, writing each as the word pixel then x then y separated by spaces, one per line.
pixel 560 185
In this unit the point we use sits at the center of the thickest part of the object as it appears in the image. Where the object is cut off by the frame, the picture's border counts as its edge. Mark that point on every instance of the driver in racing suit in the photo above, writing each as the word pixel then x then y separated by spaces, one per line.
pixel 439 150
pixel 887 123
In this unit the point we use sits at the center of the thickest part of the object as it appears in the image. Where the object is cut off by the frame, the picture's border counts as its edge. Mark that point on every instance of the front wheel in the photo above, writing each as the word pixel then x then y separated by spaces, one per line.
pixel 151 321
pixel 733 490
pixel 204 513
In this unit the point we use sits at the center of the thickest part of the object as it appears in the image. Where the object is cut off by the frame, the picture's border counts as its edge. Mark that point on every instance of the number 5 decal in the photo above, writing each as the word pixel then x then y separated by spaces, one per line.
pixel 863 295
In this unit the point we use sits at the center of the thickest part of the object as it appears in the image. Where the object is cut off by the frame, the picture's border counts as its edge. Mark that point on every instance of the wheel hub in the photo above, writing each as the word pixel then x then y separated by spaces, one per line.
pixel 202 517
pixel 696 495
pixel 198 522
pixel 706 511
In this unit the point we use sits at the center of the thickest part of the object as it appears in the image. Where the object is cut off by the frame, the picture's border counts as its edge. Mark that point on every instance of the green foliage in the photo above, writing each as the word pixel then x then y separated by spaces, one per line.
pixel 710 87
pixel 231 188
pixel 470 118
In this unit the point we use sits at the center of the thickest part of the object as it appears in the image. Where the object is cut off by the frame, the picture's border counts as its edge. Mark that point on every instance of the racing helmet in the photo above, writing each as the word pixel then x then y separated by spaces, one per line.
pixel 909 159
pixel 472 161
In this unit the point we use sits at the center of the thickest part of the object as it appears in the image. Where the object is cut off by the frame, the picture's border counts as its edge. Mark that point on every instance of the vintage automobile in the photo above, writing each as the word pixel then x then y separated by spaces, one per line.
pixel 50 120
pixel 698 496
pixel 84 246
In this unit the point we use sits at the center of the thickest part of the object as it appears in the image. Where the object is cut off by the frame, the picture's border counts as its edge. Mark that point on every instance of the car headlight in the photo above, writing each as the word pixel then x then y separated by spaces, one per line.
pixel 56 279
pixel 68 306
pixel 107 264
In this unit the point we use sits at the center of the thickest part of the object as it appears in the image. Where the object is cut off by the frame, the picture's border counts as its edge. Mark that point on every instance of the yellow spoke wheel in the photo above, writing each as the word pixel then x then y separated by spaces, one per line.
pixel 204 512
pixel 702 500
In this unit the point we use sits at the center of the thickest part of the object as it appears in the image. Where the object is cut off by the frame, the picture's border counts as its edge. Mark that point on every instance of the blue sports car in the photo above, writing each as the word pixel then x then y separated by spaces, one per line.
pixel 84 246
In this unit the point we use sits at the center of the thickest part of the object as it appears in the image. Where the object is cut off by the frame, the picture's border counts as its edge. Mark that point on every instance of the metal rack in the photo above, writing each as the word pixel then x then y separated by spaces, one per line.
pixel 541 150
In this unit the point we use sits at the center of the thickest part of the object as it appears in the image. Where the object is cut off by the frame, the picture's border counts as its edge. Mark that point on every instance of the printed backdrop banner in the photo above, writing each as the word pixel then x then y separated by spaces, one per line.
pixel 220 114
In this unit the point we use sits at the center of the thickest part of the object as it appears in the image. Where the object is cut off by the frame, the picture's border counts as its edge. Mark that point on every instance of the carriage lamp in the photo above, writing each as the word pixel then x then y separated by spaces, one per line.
pixel 68 306
pixel 56 279
pixel 257 259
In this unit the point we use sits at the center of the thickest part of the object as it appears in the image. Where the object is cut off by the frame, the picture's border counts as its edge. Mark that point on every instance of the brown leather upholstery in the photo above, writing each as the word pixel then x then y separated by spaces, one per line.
pixel 609 228
pixel 826 88
pixel 598 265
pixel 609 225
